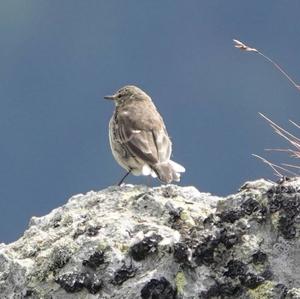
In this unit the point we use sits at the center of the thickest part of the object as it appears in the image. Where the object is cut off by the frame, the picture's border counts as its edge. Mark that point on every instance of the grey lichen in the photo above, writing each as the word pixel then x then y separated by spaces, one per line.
pixel 164 242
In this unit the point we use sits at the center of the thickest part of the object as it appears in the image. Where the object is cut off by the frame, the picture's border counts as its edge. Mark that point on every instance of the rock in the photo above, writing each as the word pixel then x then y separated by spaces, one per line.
pixel 164 242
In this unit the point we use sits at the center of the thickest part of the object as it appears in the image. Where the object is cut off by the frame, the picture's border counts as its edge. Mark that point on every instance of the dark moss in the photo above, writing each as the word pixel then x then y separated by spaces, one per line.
pixel 124 273
pixel 286 227
pixel 71 283
pixel 90 231
pixel 230 216
pixel 60 258
pixel 204 252
pixel 174 219
pixel 286 200
pixel 281 189
pixel 280 290
pixel 141 250
pixel 274 204
pixel 251 280
pixel 250 206
pixel 254 208
pixel 267 274
pixel 75 282
pixel 93 231
pixel 78 233
pixel 175 214
pixel 259 257
pixel 229 289
pixel 158 289
pixel 235 268
pixel 56 221
pixel 181 253
pixel 29 293
pixel 291 206
pixel 95 260
pixel 228 238
pixel 93 283
pixel 210 219
pixel 262 214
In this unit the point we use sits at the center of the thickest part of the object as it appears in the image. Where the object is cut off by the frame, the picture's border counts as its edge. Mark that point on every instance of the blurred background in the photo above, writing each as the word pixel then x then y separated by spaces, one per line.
pixel 59 58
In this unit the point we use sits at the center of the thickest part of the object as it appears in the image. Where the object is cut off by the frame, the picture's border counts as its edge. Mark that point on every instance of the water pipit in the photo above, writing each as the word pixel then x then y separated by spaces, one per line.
pixel 138 137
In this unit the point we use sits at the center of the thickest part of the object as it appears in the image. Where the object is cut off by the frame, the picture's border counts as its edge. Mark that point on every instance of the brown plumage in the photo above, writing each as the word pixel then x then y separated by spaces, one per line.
pixel 138 136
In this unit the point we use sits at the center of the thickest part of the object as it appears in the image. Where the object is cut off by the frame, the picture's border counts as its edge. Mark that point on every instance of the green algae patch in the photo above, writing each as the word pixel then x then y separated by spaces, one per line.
pixel 180 281
pixel 265 291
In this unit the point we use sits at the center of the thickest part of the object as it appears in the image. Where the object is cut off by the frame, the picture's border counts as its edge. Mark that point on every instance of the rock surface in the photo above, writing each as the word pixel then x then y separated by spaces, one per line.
pixel 166 242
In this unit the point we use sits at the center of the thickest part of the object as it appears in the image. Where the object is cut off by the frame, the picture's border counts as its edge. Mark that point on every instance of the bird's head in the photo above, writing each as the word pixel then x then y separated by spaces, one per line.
pixel 128 93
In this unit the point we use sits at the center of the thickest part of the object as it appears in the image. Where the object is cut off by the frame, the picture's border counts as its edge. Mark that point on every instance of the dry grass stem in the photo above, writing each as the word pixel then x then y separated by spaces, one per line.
pixel 238 44
pixel 294 153
pixel 291 165
pixel 285 134
pixel 275 167
pixel 296 125
pixel 292 139
pixel 243 47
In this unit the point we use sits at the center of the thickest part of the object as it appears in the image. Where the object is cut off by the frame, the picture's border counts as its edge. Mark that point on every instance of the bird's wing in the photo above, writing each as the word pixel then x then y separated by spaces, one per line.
pixel 163 144
pixel 144 136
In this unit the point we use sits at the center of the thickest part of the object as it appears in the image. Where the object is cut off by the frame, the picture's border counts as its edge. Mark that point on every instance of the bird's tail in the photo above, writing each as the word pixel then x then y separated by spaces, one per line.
pixel 168 171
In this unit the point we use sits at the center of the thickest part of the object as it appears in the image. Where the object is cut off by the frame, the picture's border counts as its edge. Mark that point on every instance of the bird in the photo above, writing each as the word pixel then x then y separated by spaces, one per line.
pixel 138 137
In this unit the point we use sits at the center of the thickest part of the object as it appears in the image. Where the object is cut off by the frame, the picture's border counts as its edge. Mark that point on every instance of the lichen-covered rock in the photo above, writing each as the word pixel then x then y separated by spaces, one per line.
pixel 165 242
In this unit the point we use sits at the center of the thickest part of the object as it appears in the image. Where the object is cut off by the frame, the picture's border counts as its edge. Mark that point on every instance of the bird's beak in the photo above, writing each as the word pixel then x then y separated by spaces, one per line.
pixel 110 97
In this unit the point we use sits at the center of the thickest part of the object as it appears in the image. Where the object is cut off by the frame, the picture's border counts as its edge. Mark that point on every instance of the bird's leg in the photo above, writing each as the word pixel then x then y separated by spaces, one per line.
pixel 124 177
